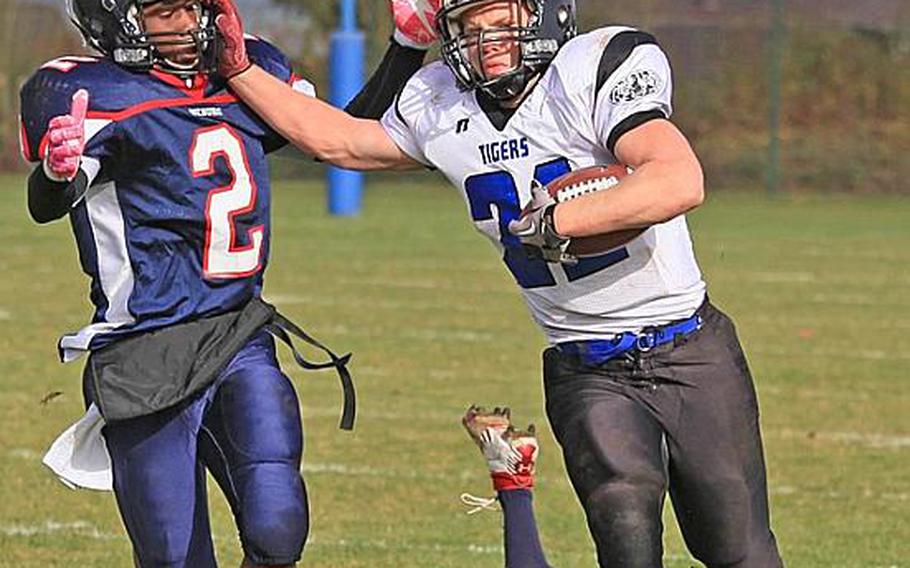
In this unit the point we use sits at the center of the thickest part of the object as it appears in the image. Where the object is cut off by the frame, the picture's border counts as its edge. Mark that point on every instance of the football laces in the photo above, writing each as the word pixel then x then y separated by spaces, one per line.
pixel 586 187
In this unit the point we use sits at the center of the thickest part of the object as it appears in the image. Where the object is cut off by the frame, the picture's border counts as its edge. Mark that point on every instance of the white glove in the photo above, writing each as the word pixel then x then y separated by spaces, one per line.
pixel 536 232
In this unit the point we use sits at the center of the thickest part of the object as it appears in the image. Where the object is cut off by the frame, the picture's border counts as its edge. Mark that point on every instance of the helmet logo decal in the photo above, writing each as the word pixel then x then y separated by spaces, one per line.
pixel 109 5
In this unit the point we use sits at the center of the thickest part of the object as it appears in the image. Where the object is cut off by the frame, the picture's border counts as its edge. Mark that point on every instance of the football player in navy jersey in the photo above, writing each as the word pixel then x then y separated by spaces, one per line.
pixel 647 388
pixel 163 175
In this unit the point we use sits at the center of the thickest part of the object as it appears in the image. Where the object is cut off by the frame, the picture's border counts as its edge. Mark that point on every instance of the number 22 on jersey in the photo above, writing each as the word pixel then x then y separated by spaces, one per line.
pixel 499 189
pixel 222 257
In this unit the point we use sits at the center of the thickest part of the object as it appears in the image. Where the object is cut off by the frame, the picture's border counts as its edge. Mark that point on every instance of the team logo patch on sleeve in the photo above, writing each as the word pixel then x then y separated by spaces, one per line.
pixel 637 85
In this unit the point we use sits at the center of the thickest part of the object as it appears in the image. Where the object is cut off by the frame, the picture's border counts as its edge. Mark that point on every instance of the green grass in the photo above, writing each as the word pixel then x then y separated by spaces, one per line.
pixel 817 286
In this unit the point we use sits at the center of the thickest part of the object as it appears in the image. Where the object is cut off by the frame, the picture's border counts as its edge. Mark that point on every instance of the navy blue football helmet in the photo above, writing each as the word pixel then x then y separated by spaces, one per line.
pixel 551 24
pixel 114 27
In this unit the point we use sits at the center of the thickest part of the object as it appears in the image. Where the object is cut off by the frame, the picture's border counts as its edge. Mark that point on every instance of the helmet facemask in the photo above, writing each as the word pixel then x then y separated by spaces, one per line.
pixel 118 32
pixel 468 52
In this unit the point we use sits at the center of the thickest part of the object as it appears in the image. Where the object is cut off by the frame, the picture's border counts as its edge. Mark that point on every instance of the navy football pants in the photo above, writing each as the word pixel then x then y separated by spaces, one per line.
pixel 245 429
pixel 682 418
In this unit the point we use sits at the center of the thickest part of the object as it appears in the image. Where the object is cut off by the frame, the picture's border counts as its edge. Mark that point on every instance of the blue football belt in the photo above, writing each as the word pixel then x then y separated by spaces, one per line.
pixel 598 351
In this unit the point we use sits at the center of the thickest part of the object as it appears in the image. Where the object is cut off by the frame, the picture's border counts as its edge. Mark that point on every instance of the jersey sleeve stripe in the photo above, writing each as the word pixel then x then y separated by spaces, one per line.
pixel 398 114
pixel 42 146
pixel 630 123
pixel 617 51
pixel 23 142
pixel 159 104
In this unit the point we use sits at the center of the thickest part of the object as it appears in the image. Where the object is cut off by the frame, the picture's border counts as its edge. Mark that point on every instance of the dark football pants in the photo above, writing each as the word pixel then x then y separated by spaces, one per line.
pixel 682 417
pixel 246 430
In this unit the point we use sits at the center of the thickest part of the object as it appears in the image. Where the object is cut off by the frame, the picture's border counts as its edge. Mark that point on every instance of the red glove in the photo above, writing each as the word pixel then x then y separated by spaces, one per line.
pixel 66 140
pixel 232 59
pixel 415 22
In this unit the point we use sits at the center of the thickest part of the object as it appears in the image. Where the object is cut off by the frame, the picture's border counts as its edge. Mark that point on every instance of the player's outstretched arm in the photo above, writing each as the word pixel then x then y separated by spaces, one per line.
pixel 318 128
pixel 312 125
pixel 667 182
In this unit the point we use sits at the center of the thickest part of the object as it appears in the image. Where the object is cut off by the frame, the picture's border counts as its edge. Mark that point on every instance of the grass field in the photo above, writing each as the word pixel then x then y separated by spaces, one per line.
pixel 818 287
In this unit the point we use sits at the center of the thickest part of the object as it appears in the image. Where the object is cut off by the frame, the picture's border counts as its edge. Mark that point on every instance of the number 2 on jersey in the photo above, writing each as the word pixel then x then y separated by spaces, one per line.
pixel 222 257
pixel 499 189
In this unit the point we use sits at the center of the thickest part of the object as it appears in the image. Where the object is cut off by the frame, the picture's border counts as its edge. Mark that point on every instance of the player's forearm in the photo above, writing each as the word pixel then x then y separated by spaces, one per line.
pixel 655 193
pixel 49 200
pixel 312 125
pixel 667 182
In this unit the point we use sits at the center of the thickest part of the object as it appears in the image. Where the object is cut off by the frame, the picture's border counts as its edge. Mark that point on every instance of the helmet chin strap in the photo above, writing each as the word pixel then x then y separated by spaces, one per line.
pixel 511 86
pixel 525 87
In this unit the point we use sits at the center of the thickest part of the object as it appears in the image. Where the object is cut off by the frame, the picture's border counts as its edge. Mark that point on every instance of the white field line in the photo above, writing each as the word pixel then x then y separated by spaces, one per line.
pixel 869 440
pixel 87 530
pixel 866 494
pixel 804 320
pixel 446 335
pixel 815 394
pixel 442 306
pixel 404 283
pixel 856 299
pixel 289 300
pixel 439 374
pixel 861 354
pixel 420 334
pixel 376 371
pixel 443 417
pixel 478 475
pixel 80 528
pixel 368 471
pixel 24 454
pixel 479 549
pixel 783 277
pixel 845 253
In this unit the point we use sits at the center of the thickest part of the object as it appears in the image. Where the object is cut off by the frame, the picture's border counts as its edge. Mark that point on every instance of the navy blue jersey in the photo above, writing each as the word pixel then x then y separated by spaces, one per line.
pixel 175 223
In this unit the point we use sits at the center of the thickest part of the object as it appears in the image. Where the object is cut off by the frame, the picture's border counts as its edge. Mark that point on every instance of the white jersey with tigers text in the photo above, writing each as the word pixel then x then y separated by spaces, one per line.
pixel 600 85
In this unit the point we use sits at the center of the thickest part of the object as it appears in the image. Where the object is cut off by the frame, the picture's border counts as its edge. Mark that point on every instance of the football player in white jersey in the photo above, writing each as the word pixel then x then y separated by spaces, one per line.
pixel 647 388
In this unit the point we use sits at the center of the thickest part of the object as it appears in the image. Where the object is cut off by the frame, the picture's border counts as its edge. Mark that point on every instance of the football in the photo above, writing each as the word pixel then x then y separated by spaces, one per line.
pixel 582 182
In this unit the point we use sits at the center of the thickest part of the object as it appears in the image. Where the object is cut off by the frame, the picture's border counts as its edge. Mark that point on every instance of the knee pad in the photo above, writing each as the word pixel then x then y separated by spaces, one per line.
pixel 274 514
pixel 625 503
pixel 625 520
pixel 258 418
pixel 717 530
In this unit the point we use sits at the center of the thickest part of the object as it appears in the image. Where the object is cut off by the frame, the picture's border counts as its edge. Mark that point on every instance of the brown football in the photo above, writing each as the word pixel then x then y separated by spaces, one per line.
pixel 582 182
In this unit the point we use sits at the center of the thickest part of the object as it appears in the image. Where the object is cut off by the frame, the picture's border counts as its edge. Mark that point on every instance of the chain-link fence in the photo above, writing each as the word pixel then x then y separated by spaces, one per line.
pixel 844 78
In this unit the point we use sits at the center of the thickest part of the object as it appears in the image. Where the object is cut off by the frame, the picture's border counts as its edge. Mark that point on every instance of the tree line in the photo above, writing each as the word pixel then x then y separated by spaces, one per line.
pixel 846 80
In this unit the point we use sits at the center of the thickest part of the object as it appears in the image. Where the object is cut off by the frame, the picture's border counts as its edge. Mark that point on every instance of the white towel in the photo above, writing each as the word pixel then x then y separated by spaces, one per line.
pixel 79 455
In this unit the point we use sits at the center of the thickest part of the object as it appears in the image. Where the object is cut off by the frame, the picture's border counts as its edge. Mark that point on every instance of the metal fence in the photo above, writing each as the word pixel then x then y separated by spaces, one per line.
pixel 824 86
pixel 835 72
